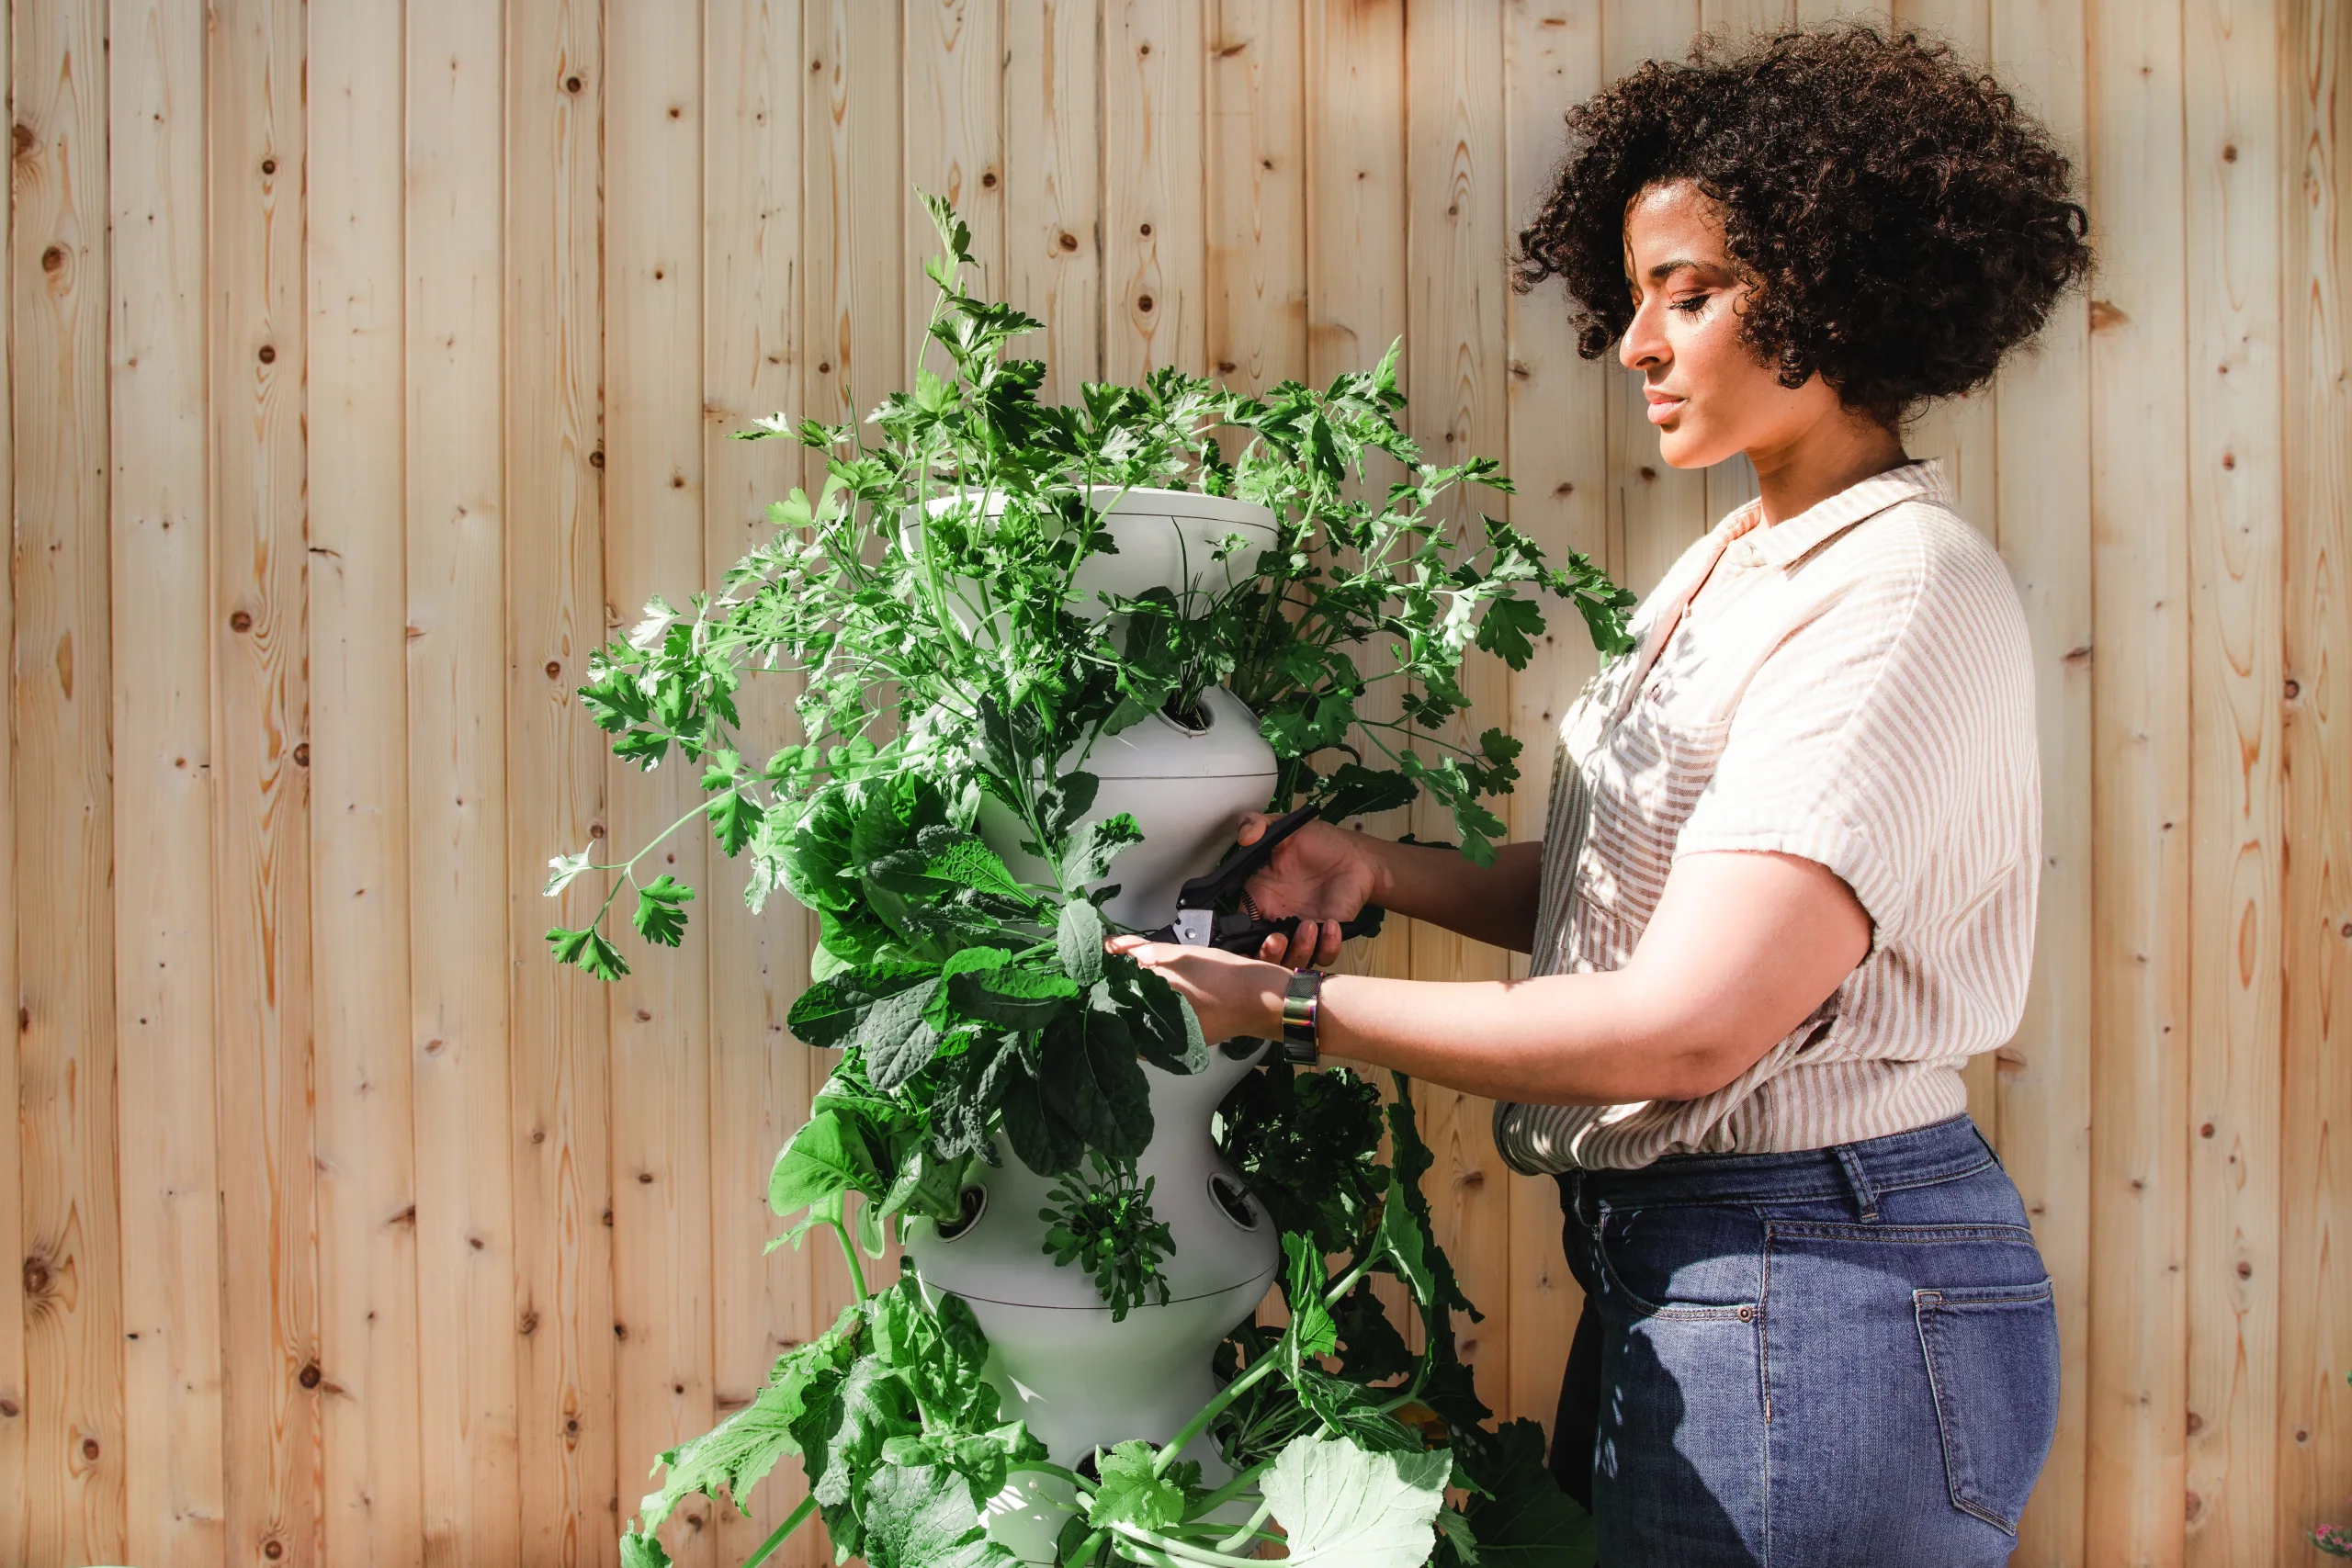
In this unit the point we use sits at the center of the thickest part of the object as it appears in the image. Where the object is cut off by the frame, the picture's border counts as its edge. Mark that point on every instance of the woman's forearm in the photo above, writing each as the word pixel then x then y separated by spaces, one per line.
pixel 1591 1039
pixel 1492 904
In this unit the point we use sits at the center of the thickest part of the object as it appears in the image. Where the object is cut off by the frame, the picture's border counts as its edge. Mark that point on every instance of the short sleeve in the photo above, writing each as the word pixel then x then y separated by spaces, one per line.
pixel 1878 730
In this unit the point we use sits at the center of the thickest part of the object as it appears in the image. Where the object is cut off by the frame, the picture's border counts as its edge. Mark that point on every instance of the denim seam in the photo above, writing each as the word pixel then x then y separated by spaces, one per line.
pixel 1917 1236
pixel 1731 1313
pixel 1923 1302
pixel 1836 1191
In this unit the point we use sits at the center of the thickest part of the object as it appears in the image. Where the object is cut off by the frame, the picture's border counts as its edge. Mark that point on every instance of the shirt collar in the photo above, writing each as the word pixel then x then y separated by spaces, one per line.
pixel 1751 543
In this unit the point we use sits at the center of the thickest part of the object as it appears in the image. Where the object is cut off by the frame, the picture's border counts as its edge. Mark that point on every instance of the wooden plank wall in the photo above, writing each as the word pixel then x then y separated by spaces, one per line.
pixel 368 362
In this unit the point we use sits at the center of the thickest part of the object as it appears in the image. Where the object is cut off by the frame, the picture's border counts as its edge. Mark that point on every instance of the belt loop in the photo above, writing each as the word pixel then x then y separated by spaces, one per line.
pixel 1850 1160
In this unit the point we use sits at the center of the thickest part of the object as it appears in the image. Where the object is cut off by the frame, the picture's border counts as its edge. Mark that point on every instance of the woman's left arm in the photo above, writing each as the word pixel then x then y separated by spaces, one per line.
pixel 1742 948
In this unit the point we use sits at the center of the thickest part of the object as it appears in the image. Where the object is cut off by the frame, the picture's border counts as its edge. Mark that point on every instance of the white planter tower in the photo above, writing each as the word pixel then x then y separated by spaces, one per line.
pixel 1079 1379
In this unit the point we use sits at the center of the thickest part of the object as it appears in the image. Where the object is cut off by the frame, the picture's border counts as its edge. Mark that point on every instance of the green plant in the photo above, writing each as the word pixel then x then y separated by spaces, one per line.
pixel 923 598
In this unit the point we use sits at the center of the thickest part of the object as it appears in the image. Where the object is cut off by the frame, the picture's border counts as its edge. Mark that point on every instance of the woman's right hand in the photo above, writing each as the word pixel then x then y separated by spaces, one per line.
pixel 1321 873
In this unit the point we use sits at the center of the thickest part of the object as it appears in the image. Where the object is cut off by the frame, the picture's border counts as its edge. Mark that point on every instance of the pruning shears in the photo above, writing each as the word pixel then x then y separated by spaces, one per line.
pixel 1199 922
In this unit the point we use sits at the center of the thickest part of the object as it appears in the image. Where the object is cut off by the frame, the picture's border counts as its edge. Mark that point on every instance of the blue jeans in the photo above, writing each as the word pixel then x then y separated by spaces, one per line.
pixel 1846 1358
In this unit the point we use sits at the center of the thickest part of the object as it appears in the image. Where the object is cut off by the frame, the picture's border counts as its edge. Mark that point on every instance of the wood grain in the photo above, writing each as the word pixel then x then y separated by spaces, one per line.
pixel 2042 506
pixel 261 783
pixel 370 1487
pixel 1557 426
pixel 955 142
pixel 761 1077
pixel 1455 195
pixel 1256 197
pixel 1053 165
pixel 1153 206
pixel 653 545
pixel 2315 1337
pixel 163 715
pixel 570 1486
pixel 73 1484
pixel 2231 91
pixel 2137 1495
pixel 457 721
pixel 15 1419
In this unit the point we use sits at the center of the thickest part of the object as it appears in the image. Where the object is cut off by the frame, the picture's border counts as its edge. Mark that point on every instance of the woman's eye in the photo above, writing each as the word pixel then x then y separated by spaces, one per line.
pixel 1691 304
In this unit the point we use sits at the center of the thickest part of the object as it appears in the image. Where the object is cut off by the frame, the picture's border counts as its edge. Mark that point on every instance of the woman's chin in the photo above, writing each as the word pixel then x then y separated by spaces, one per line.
pixel 1684 447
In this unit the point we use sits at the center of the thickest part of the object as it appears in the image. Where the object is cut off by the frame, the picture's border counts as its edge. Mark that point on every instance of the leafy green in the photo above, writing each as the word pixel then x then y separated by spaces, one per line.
pixel 1107 1226
pixel 1340 1504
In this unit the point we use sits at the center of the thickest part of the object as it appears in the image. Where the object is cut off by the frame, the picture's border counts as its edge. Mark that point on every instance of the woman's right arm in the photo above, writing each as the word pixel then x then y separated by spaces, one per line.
pixel 1326 874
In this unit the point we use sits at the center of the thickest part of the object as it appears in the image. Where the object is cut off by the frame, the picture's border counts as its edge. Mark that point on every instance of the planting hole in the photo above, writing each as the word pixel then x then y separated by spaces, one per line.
pixel 970 1205
pixel 1234 1199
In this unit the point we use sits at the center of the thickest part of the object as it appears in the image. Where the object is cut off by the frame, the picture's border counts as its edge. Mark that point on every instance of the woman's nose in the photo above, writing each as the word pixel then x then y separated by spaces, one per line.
pixel 1643 345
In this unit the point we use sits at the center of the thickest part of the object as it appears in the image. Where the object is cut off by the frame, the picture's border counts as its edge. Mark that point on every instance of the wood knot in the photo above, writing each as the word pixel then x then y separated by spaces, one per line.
pixel 269 165
pixel 2195 1423
pixel 530 1323
pixel 596 459
pixel 274 1550
pixel 2104 316
pixel 620 1332
pixel 571 83
pixel 302 753
pixel 24 139
pixel 1143 302
pixel 9 1410
pixel 2206 1131
pixel 1146 231
pixel 555 669
pixel 1068 241
pixel 1563 488
pixel 240 621
pixel 53 258
pixel 2245 1270
pixel 90 1450
pixel 987 179
pixel 1225 367
pixel 1648 474
pixel 309 1376
pixel 268 354
pixel 37 1277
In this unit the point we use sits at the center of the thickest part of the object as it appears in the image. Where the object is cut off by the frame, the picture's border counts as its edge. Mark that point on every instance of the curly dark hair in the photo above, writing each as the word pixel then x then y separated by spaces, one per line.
pixel 1901 223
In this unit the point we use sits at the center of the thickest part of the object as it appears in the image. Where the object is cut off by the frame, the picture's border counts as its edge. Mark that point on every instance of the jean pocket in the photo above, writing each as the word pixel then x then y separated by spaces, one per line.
pixel 1992 1364
pixel 1695 1264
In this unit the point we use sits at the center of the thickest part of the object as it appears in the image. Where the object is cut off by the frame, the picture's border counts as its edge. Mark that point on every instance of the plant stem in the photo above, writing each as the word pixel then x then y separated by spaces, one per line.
pixel 1248 1532
pixel 1230 1490
pixel 1183 1550
pixel 849 1251
pixel 1215 1407
pixel 792 1521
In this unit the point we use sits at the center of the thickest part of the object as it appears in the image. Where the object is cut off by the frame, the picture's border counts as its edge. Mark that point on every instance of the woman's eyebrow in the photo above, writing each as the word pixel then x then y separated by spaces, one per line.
pixel 1666 269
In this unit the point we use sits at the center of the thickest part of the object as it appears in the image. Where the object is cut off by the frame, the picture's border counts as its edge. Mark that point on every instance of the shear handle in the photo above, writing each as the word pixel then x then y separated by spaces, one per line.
pixel 1241 863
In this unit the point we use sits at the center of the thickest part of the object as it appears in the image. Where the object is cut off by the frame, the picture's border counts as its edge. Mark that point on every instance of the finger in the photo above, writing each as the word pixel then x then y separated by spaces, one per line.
pixel 1126 943
pixel 1327 951
pixel 1274 947
pixel 1253 829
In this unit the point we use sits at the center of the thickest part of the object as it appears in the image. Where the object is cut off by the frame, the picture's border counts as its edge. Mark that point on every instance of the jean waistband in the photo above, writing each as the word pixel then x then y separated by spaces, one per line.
pixel 1941 1151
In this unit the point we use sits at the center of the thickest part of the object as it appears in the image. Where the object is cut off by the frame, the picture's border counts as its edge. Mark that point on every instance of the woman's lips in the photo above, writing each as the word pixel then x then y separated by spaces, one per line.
pixel 1663 408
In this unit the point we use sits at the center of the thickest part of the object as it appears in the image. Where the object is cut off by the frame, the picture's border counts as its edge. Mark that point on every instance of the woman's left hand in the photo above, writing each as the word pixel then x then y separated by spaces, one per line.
pixel 1231 995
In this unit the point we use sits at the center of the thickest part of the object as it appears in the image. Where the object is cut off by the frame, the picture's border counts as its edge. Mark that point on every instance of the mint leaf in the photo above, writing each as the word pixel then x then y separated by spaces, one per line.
pixel 563 869
pixel 1343 1507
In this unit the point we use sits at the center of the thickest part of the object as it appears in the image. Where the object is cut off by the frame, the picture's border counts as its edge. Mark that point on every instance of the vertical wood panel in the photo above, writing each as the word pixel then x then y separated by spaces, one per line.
pixel 1558 456
pixel 1256 197
pixel 661 1015
pixel 171 1274
pixel 2137 1494
pixel 261 786
pixel 761 1077
pixel 2315 1250
pixel 1356 277
pixel 162 710
pixel 2042 504
pixel 15 1419
pixel 1053 165
pixel 1154 141
pixel 2231 90
pixel 1455 195
pixel 73 1496
pixel 955 140
pixel 1660 512
pixel 568 1482
pixel 365 1130
pixel 853 208
pixel 456 653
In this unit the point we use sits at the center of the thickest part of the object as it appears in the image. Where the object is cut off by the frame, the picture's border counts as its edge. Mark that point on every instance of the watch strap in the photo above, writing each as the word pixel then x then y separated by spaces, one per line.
pixel 1301 1000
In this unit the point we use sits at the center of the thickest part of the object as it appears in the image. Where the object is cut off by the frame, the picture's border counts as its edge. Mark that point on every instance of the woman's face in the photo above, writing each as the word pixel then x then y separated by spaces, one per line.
pixel 1709 395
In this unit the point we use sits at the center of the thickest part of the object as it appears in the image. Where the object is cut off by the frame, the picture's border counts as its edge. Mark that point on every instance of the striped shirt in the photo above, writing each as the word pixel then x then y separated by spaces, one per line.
pixel 1854 686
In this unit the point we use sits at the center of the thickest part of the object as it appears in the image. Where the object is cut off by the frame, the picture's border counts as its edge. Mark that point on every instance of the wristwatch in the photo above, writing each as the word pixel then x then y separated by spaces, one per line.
pixel 1300 999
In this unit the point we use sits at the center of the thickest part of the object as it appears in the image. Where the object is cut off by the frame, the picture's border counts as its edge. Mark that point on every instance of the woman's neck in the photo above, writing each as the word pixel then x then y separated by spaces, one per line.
pixel 1835 451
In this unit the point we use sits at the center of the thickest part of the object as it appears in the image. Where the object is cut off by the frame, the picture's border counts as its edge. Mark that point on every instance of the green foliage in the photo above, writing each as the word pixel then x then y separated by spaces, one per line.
pixel 1105 1227
pixel 922 600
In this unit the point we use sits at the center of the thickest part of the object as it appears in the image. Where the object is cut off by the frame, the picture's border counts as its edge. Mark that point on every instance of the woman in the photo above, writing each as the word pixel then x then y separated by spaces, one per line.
pixel 1787 888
